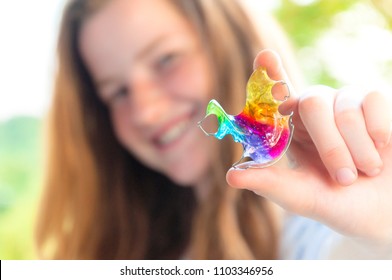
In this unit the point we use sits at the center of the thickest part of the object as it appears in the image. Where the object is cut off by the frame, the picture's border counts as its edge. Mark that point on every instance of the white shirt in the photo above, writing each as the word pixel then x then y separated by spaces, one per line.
pixel 303 238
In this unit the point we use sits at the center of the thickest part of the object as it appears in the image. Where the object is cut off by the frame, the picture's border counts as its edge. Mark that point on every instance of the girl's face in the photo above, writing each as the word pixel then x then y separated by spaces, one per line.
pixel 153 74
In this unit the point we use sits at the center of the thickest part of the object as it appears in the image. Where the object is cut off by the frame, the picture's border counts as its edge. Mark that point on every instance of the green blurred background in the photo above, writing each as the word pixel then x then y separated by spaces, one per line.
pixel 328 36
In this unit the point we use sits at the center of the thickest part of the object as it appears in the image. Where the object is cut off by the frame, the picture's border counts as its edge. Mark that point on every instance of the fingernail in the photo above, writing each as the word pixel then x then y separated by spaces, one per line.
pixel 345 176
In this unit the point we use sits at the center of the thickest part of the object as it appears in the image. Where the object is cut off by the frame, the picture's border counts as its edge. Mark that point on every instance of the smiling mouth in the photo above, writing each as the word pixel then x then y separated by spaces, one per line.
pixel 174 133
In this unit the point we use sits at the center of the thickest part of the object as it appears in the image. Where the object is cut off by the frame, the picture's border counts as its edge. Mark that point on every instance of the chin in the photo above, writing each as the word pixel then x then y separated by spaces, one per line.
pixel 183 178
pixel 186 174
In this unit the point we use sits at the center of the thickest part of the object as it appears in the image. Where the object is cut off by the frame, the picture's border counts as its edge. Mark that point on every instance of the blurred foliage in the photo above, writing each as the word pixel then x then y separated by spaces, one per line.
pixel 304 23
pixel 307 21
pixel 20 162
pixel 385 8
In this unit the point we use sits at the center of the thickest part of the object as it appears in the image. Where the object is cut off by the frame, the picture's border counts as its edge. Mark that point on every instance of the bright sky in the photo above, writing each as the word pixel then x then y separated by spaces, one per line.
pixel 357 49
pixel 27 34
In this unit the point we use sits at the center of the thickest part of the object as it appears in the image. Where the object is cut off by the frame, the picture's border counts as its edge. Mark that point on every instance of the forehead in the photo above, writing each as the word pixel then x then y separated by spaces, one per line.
pixel 123 29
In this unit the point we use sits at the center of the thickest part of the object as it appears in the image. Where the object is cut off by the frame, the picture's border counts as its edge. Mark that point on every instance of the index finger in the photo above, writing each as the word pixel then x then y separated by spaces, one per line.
pixel 271 61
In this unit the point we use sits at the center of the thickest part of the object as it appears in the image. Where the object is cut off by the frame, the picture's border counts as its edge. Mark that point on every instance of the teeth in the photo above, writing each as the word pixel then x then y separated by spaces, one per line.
pixel 173 133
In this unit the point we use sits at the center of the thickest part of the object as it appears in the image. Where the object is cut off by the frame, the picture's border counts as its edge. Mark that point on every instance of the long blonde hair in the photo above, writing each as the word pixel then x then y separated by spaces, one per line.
pixel 101 203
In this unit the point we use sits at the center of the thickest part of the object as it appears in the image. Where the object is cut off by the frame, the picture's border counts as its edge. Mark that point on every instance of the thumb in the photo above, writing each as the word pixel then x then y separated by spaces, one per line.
pixel 292 189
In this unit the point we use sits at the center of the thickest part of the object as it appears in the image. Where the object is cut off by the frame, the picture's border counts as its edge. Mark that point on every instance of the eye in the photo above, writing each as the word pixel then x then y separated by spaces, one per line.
pixel 167 61
pixel 118 96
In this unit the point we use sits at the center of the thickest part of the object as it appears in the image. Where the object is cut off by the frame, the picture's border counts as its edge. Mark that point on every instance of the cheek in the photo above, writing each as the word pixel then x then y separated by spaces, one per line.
pixel 121 128
pixel 192 81
pixel 202 77
pixel 130 138
pixel 191 167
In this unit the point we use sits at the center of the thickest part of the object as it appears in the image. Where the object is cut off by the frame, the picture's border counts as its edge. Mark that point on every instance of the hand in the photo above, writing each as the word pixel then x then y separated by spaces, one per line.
pixel 342 157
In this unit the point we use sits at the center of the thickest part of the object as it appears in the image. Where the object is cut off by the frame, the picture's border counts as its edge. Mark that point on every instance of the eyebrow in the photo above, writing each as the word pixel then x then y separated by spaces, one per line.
pixel 139 55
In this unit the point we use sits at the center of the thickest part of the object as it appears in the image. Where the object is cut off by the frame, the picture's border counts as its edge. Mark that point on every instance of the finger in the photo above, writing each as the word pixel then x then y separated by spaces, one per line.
pixel 316 110
pixel 351 124
pixel 293 190
pixel 377 110
pixel 272 62
pixel 302 192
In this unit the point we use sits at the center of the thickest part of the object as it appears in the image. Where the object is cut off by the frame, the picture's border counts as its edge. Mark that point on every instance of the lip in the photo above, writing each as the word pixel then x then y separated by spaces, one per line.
pixel 182 122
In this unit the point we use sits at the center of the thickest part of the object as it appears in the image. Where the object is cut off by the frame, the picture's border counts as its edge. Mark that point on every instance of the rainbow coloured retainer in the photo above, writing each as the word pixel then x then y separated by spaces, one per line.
pixel 265 134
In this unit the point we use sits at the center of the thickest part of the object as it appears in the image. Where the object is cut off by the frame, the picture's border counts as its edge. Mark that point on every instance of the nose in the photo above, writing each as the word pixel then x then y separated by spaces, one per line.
pixel 147 102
